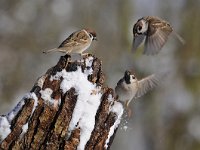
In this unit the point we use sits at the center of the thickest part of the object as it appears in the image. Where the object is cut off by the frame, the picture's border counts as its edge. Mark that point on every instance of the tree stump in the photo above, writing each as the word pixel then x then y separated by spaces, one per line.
pixel 67 108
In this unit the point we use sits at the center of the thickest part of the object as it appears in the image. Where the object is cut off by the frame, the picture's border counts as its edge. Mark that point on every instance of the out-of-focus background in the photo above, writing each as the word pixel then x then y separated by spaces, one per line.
pixel 168 118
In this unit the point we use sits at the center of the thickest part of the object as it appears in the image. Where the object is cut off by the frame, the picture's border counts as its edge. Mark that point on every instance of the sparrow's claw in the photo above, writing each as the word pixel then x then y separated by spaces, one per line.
pixel 129 112
pixel 85 54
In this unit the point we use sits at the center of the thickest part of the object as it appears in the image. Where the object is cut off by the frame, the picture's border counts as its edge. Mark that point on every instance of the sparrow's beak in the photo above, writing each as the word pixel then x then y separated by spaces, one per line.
pixel 95 38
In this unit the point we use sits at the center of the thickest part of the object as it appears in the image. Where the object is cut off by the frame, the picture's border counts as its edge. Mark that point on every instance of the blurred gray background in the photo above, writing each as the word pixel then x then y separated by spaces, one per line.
pixel 168 118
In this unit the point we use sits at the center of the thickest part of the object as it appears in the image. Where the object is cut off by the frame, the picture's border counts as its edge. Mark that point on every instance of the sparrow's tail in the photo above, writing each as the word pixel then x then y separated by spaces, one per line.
pixel 51 50
pixel 179 38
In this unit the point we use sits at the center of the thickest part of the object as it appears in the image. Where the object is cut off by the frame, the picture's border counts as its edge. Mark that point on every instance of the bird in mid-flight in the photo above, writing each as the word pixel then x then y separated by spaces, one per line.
pixel 129 87
pixel 77 42
pixel 155 31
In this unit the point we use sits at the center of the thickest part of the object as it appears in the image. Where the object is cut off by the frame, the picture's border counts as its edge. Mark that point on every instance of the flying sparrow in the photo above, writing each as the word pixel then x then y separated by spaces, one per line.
pixel 77 42
pixel 155 31
pixel 129 87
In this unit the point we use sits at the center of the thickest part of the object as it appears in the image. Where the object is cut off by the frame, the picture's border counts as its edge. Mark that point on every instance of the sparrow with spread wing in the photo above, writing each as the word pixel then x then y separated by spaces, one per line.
pixel 154 31
pixel 129 87
pixel 77 42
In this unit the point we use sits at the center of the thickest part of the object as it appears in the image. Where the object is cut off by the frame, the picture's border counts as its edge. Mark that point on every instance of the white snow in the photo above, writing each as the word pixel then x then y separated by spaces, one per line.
pixel 117 108
pixel 125 128
pixel 34 97
pixel 5 121
pixel 110 98
pixel 89 61
pixel 24 128
pixel 88 101
pixel 4 128
pixel 13 113
pixel 88 71
pixel 87 120
pixel 46 95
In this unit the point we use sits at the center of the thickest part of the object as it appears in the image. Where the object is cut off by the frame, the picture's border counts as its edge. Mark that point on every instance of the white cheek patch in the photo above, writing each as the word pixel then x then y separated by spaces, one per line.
pixel 144 26
pixel 132 79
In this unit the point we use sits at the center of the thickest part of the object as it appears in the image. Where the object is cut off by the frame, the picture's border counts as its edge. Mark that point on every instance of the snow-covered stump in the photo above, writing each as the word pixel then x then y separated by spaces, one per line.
pixel 67 108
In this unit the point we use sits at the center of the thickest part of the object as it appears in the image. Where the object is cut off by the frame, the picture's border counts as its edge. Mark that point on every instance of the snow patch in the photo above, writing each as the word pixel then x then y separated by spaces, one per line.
pixel 4 128
pixel 88 71
pixel 110 98
pixel 5 121
pixel 125 128
pixel 46 95
pixel 87 104
pixel 24 128
pixel 13 113
pixel 89 61
pixel 34 97
pixel 117 108
pixel 87 120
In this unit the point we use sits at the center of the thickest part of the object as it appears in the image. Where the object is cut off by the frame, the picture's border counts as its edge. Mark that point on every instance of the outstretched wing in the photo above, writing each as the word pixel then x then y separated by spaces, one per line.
pixel 147 84
pixel 157 35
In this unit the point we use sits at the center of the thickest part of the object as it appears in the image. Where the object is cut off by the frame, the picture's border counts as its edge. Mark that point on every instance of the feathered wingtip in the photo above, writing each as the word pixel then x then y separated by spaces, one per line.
pixel 137 42
pixel 179 38
pixel 50 50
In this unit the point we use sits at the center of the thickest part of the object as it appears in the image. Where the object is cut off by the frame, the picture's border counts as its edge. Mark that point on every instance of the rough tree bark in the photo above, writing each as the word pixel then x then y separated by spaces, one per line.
pixel 42 122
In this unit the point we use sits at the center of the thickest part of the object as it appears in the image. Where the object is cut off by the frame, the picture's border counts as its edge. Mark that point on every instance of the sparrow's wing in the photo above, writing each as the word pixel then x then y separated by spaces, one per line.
pixel 147 84
pixel 137 40
pixel 75 39
pixel 157 35
pixel 179 38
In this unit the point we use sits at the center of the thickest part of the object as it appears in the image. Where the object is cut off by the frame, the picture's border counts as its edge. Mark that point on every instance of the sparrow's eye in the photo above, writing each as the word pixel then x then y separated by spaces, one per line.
pixel 139 28
pixel 91 36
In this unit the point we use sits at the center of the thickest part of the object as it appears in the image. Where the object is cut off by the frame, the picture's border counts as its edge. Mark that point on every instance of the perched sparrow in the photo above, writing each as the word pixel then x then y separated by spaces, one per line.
pixel 129 87
pixel 155 31
pixel 77 42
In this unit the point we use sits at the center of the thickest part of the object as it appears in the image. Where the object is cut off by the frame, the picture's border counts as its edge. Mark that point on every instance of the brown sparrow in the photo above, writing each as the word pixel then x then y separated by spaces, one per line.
pixel 155 31
pixel 129 87
pixel 77 42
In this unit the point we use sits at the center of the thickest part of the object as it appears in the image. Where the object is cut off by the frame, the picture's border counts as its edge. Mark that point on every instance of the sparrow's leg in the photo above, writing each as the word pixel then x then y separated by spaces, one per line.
pixel 128 109
pixel 127 103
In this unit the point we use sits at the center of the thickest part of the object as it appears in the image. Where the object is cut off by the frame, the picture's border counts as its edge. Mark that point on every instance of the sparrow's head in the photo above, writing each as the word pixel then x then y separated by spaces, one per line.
pixel 92 34
pixel 140 27
pixel 129 77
